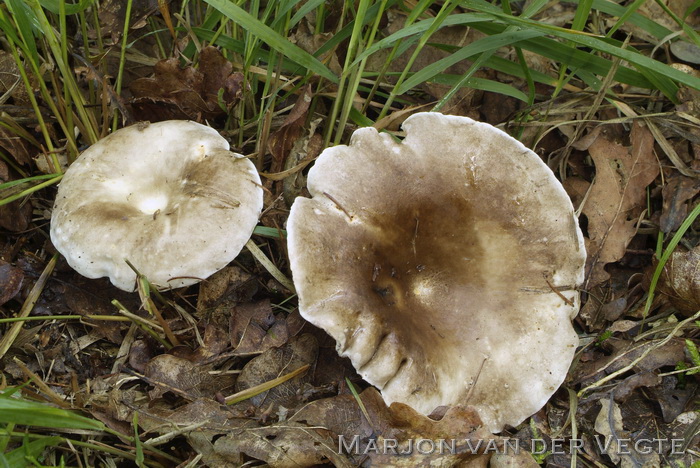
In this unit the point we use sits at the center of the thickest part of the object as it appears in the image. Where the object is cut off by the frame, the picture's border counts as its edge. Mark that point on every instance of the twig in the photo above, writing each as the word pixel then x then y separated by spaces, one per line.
pixel 646 352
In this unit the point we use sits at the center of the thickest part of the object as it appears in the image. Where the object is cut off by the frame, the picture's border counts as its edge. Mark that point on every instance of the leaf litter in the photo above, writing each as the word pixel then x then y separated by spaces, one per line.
pixel 237 331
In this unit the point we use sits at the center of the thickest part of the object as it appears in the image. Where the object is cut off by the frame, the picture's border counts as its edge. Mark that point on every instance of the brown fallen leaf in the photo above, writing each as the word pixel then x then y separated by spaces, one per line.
pixel 11 279
pixel 14 216
pixel 616 443
pixel 140 354
pixel 231 285
pixel 307 39
pixel 680 279
pixel 520 459
pixel 274 363
pixel 187 93
pixel 617 197
pixel 672 398
pixel 625 352
pixel 15 146
pixel 676 193
pixel 398 428
pixel 94 297
pixel 112 13
pixel 631 383
pixel 335 430
pixel 171 373
pixel 11 80
pixel 282 140
pixel 254 328
pixel 305 150
pixel 287 445
pixel 215 341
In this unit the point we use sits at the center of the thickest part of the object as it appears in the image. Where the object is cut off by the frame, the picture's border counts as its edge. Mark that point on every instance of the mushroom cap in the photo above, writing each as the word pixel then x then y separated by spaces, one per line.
pixel 444 266
pixel 169 197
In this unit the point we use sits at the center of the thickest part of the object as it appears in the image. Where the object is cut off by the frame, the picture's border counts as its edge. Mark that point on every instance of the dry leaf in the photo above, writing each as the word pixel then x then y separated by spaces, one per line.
pixel 11 84
pixel 521 459
pixel 625 352
pixel 276 362
pixel 680 279
pixel 287 445
pixel 617 197
pixel 254 328
pixel 673 399
pixel 187 93
pixel 15 146
pixel 282 140
pixel 14 216
pixel 229 285
pixel 214 342
pixel 398 428
pixel 10 281
pixel 676 193
pixel 631 383
pixel 616 443
pixel 171 373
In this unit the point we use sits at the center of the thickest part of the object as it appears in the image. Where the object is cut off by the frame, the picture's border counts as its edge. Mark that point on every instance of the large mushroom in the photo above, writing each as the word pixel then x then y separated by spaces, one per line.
pixel 445 266
pixel 169 197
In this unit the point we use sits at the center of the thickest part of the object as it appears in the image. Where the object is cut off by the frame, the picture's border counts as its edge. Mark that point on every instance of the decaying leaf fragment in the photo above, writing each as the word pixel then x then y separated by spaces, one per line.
pixel 677 192
pixel 680 279
pixel 11 279
pixel 617 197
pixel 187 93
pixel 276 362
pixel 282 140
pixel 335 430
pixel 616 443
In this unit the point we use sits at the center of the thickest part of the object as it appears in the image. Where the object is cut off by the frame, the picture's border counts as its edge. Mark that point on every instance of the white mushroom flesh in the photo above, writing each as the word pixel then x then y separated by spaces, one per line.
pixel 445 266
pixel 169 197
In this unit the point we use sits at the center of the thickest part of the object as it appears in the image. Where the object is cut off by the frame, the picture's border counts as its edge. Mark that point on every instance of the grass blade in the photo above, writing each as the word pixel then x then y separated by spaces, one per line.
pixel 482 45
pixel 18 457
pixel 31 413
pixel 54 6
pixel 272 38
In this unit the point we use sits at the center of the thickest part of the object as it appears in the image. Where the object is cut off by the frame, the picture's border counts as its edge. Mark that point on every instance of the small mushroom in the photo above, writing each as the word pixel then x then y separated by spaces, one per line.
pixel 445 266
pixel 169 197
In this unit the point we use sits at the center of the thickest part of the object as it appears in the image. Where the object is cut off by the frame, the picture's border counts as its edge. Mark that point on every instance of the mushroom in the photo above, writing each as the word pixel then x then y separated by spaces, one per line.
pixel 169 197
pixel 445 266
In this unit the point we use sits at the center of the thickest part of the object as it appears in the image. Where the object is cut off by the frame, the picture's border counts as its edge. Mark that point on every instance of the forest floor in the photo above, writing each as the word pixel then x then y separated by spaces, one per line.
pixel 227 372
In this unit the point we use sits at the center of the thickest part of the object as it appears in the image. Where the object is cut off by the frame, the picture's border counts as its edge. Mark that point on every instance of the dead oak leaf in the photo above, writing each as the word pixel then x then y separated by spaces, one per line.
pixel 15 147
pixel 254 328
pixel 282 140
pixel 187 93
pixel 285 445
pixel 274 363
pixel 680 279
pixel 14 216
pixel 11 279
pixel 617 197
pixel 625 352
pixel 172 373
pixel 679 189
pixel 609 424
pixel 397 429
